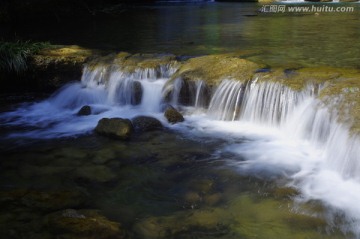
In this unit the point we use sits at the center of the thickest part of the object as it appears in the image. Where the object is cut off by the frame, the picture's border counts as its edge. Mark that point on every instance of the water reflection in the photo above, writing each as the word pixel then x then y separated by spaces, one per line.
pixel 205 28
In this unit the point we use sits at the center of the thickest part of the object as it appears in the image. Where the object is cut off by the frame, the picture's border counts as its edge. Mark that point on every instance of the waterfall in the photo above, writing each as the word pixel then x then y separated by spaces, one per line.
pixel 296 113
pixel 142 87
pixel 309 146
pixel 201 94
pixel 265 102
pixel 303 120
pixel 188 93
pixel 226 101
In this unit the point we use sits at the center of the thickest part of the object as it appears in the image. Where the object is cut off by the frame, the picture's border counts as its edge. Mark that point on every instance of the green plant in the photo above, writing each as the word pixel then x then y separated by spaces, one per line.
pixel 14 55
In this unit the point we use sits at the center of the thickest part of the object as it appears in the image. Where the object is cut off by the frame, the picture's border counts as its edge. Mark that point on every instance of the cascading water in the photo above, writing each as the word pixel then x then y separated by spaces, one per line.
pixel 226 101
pixel 109 91
pixel 287 133
pixel 308 145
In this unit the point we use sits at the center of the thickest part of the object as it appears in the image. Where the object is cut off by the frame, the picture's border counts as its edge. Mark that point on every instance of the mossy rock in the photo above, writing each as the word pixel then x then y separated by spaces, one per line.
pixel 172 115
pixel 214 68
pixel 57 65
pixel 298 79
pixel 131 63
pixel 342 84
pixel 116 128
pixel 146 123
pixel 347 103
pixel 90 224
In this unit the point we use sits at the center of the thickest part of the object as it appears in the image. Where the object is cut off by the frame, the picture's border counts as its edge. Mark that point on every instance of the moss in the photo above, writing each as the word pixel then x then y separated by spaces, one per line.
pixel 342 95
pixel 298 79
pixel 68 55
pixel 214 68
pixel 285 193
pixel 130 63
pixel 302 221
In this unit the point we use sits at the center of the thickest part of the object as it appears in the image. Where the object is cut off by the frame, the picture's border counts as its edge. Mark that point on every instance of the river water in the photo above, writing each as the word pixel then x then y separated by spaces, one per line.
pixel 292 39
pixel 281 167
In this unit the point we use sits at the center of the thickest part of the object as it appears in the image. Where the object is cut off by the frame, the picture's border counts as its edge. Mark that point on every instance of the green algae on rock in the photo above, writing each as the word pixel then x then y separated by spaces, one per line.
pixel 342 96
pixel 54 66
pixel 130 63
pixel 214 68
pixel 172 115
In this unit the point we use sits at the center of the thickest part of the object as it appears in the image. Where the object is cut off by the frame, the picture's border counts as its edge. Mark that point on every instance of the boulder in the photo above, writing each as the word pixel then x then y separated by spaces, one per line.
pixel 172 115
pixel 214 68
pixel 146 123
pixel 85 110
pixel 117 128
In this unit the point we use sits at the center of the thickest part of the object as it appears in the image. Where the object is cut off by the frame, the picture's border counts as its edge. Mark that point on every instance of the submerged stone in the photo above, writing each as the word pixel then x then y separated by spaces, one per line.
pixel 117 128
pixel 72 223
pixel 172 115
pixel 146 123
pixel 43 200
pixel 96 173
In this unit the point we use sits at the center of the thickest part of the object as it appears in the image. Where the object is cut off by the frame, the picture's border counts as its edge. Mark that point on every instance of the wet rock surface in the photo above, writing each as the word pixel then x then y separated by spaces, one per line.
pixel 116 128
pixel 146 123
pixel 85 110
pixel 173 116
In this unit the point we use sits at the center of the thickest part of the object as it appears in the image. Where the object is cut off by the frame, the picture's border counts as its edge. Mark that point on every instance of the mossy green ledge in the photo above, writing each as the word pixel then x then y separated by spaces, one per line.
pixel 54 66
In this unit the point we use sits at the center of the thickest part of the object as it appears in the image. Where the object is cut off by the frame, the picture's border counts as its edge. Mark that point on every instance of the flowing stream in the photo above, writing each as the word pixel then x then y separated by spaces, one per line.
pixel 270 130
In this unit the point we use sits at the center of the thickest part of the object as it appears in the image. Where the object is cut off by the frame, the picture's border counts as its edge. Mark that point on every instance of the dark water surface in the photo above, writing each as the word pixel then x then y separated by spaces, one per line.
pixel 290 39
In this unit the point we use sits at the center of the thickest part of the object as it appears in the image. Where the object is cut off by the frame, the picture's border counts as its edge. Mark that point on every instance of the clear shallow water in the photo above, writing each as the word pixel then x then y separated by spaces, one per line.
pixel 284 39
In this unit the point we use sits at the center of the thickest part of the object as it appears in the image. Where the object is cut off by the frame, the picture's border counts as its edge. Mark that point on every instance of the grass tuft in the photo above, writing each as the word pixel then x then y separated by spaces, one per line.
pixel 14 55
